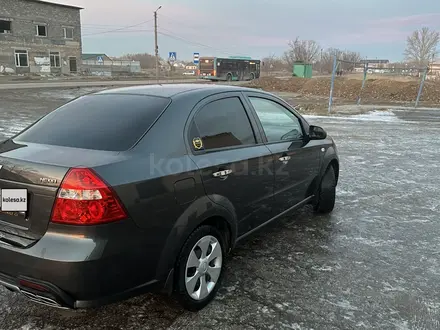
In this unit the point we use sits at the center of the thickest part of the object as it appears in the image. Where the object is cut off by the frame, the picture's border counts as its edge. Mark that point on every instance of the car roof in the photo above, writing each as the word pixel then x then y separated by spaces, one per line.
pixel 171 90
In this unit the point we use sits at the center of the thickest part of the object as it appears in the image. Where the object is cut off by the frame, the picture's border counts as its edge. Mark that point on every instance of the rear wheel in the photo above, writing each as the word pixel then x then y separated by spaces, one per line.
pixel 327 192
pixel 199 268
pixel 252 76
pixel 229 77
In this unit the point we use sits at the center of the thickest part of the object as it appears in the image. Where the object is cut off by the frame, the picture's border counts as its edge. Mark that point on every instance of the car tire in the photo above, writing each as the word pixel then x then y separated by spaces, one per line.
pixel 201 259
pixel 327 192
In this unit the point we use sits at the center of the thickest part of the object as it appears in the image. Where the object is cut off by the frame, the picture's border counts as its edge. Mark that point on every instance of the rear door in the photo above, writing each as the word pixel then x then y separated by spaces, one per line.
pixel 236 166
pixel 296 161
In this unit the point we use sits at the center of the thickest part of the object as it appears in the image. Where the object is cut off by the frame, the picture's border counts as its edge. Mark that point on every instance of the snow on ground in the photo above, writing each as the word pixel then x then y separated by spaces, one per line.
pixel 374 116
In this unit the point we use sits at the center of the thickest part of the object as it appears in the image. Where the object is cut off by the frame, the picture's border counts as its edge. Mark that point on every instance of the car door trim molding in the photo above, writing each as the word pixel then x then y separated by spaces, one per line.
pixel 290 209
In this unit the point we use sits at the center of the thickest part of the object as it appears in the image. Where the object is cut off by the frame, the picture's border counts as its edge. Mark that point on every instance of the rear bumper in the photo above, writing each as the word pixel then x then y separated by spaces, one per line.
pixel 77 271
pixel 48 294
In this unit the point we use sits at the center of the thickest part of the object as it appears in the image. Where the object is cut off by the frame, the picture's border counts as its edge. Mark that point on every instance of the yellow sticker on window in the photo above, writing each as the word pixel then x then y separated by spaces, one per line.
pixel 197 143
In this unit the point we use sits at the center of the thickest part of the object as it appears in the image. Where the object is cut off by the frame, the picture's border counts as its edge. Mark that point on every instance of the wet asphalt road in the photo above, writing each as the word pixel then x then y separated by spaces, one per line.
pixel 373 264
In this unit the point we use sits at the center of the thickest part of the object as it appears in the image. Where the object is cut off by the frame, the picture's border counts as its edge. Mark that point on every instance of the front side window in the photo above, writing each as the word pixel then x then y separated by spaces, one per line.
pixel 278 122
pixel 55 59
pixel 21 58
pixel 224 123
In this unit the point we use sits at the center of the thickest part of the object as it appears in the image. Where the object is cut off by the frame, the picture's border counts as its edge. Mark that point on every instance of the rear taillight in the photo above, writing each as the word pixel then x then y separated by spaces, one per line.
pixel 85 199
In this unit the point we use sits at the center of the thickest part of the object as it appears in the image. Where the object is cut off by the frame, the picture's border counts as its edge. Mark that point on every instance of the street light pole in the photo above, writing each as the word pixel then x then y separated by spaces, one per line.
pixel 320 63
pixel 156 47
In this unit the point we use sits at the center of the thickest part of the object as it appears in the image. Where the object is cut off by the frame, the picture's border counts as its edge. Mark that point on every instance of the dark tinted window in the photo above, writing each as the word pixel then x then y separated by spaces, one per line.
pixel 101 122
pixel 278 123
pixel 224 123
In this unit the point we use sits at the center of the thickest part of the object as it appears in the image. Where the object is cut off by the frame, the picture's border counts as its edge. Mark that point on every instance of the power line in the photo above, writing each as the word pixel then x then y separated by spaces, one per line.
pixel 176 37
pixel 78 26
pixel 117 30
pixel 201 28
pixel 102 25
pixel 178 21
pixel 135 31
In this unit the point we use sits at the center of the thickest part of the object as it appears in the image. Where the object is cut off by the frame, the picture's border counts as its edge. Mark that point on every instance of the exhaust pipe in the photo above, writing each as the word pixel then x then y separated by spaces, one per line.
pixel 42 300
pixel 32 296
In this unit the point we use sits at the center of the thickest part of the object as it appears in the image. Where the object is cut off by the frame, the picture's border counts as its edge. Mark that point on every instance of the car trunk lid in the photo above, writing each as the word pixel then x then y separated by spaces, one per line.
pixel 39 169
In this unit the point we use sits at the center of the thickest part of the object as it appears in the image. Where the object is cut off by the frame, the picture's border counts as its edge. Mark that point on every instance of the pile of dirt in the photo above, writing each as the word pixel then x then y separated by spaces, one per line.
pixel 383 90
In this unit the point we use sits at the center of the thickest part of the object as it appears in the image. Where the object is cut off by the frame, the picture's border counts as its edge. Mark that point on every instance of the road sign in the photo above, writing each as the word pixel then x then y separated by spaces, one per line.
pixel 100 59
pixel 196 58
pixel 172 56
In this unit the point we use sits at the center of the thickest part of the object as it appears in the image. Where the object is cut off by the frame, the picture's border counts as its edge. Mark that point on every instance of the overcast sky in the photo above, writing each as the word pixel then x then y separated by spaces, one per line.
pixel 375 28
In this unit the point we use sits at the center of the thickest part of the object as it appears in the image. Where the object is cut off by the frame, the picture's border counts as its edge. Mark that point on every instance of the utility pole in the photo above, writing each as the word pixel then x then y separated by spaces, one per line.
pixel 156 47
pixel 320 62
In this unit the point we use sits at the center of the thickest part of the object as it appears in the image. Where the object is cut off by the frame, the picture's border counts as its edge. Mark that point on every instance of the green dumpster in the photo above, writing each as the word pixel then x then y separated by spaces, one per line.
pixel 302 70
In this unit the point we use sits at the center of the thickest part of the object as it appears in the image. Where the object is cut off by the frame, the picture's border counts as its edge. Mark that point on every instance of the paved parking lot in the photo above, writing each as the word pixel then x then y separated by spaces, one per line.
pixel 373 264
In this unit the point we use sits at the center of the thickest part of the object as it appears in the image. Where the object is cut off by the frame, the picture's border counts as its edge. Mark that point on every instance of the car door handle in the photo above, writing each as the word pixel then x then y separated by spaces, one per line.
pixel 284 159
pixel 221 174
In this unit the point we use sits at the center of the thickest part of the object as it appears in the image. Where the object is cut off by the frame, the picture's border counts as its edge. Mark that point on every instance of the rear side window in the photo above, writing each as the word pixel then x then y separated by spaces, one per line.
pixel 107 122
pixel 224 123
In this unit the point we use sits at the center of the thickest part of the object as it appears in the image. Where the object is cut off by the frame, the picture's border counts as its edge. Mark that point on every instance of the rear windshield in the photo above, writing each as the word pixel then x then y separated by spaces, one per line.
pixel 206 64
pixel 101 122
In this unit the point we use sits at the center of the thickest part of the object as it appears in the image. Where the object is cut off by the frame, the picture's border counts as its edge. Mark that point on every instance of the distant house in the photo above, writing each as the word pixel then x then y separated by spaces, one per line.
pixel 39 37
pixel 434 70
pixel 98 58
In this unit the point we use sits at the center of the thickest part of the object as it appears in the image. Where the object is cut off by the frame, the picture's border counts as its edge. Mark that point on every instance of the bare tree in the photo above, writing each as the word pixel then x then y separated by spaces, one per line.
pixel 268 63
pixel 273 63
pixel 147 61
pixel 326 61
pixel 302 51
pixel 421 46
pixel 348 60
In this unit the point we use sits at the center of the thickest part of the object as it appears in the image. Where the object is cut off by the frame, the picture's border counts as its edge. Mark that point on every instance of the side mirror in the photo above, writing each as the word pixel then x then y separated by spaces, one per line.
pixel 317 133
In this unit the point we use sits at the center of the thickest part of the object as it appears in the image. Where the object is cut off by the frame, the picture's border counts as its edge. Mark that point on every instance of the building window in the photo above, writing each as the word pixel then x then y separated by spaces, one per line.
pixel 55 60
pixel 5 26
pixel 41 30
pixel 68 33
pixel 21 58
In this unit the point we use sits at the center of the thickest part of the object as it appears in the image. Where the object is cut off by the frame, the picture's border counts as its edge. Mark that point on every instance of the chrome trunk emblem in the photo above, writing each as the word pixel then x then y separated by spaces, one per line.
pixel 48 180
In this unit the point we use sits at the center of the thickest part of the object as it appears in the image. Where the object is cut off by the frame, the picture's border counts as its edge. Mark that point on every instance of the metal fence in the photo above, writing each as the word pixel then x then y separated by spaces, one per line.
pixel 417 72
pixel 110 68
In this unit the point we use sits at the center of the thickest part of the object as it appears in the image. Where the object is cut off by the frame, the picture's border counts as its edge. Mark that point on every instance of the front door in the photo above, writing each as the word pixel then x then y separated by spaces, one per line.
pixel 73 65
pixel 296 162
pixel 236 166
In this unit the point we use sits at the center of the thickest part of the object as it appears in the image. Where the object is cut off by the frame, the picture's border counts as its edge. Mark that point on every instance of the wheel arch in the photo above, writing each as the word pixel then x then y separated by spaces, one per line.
pixel 335 164
pixel 201 212
pixel 330 158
